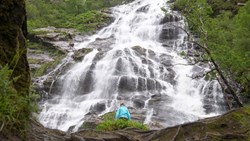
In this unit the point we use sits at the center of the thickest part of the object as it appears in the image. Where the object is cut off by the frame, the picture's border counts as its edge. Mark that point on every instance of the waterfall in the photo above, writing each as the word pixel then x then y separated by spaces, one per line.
pixel 135 60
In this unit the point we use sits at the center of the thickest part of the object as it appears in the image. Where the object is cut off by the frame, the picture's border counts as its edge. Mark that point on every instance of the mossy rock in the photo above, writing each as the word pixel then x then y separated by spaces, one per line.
pixel 232 126
pixel 79 55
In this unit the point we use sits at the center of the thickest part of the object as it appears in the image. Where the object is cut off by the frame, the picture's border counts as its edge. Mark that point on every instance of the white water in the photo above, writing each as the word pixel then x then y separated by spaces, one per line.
pixel 120 71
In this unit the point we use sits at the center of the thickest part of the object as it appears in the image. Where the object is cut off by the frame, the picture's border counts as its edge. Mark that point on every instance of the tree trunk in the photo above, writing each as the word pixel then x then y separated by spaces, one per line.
pixel 13 49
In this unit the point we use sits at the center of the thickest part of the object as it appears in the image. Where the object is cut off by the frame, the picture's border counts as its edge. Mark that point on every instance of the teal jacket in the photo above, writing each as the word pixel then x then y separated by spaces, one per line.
pixel 123 112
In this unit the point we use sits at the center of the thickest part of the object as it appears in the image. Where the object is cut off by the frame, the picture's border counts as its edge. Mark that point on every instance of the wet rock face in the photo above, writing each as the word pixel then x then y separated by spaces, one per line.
pixel 13 33
pixel 170 18
pixel 169 33
pixel 98 108
pixel 143 9
pixel 79 54
pixel 58 38
pixel 170 30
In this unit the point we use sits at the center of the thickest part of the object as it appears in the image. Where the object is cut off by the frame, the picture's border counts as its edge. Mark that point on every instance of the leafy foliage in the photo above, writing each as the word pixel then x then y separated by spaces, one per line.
pixel 80 14
pixel 14 108
pixel 224 34
pixel 110 125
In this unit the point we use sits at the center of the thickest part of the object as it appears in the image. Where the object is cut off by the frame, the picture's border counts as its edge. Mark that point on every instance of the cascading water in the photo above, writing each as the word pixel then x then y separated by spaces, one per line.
pixel 134 60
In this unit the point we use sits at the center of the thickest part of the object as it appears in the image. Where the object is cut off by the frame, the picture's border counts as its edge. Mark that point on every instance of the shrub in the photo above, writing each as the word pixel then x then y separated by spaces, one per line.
pixel 14 108
pixel 111 124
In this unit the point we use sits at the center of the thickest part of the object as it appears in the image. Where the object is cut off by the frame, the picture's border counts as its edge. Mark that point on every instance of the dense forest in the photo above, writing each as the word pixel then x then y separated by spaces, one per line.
pixel 221 26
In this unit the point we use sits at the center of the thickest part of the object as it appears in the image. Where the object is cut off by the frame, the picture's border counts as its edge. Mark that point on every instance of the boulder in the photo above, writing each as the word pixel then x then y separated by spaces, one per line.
pixel 139 101
pixel 58 38
pixel 139 50
pixel 170 18
pixel 79 54
pixel 98 108
pixel 169 33
pixel 143 9
pixel 127 84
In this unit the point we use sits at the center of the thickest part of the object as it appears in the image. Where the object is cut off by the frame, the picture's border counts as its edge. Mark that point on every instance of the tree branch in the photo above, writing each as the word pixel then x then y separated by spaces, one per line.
pixel 2 127
pixel 176 134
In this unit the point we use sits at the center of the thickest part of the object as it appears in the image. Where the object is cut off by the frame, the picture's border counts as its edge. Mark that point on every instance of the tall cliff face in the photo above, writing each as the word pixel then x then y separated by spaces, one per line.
pixel 13 31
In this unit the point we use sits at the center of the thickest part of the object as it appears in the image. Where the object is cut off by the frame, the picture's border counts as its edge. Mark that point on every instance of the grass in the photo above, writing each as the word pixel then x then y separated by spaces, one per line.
pixel 40 49
pixel 14 107
pixel 46 66
pixel 110 123
pixel 77 14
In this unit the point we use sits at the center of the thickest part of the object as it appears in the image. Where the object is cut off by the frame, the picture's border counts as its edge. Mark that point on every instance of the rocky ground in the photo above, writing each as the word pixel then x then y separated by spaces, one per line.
pixel 48 55
pixel 232 126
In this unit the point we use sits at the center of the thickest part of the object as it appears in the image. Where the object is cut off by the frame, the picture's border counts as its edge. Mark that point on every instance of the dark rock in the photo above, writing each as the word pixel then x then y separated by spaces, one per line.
pixel 127 84
pixel 57 38
pixel 170 76
pixel 151 54
pixel 166 60
pixel 79 54
pixel 139 101
pixel 104 44
pixel 151 85
pixel 98 108
pixel 171 1
pixel 99 56
pixel 170 18
pixel 141 84
pixel 119 67
pixel 86 82
pixel 143 9
pixel 169 33
pixel 139 50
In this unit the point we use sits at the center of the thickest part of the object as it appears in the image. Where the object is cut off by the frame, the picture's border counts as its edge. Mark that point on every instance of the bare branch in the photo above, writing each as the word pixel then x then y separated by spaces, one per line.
pixel 176 134
pixel 2 127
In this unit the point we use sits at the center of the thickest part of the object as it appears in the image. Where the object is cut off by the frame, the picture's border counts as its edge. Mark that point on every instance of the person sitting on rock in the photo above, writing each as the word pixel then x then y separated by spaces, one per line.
pixel 123 113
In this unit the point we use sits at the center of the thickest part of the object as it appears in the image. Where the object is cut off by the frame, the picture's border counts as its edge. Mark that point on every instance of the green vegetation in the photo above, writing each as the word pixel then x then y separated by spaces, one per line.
pixel 40 49
pixel 110 123
pixel 222 28
pixel 82 15
pixel 14 108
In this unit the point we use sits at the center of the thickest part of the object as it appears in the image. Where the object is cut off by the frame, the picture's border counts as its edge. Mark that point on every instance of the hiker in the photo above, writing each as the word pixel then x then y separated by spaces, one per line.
pixel 123 113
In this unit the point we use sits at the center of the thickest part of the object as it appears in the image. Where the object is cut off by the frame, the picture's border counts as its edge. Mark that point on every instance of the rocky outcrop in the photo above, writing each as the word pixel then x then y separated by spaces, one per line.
pixel 58 38
pixel 13 50
pixel 232 126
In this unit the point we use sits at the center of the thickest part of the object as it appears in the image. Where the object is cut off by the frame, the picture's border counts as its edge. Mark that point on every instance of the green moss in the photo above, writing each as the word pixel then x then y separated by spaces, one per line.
pixel 87 21
pixel 33 61
pixel 46 66
pixel 40 49
pixel 183 53
pixel 110 123
pixel 109 116
pixel 38 32
pixel 14 108
pixel 81 15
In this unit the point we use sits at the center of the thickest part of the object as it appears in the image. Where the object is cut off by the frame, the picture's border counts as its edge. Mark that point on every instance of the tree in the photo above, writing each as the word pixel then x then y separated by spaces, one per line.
pixel 224 41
